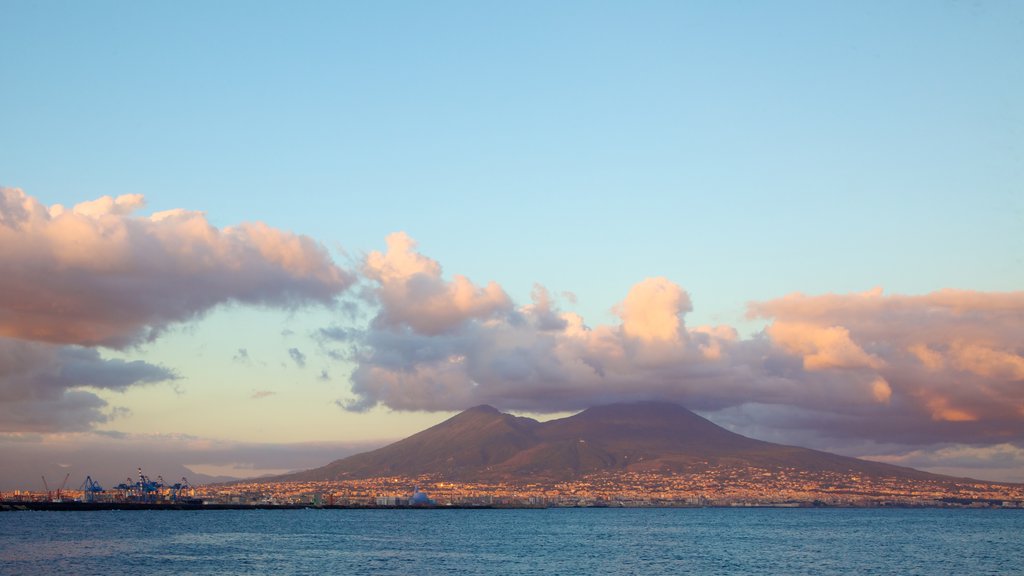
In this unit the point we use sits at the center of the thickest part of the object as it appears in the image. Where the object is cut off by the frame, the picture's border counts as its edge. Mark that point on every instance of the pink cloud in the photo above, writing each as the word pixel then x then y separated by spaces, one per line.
pixel 99 275
pixel 952 356
pixel 821 347
pixel 414 294
pixel 652 310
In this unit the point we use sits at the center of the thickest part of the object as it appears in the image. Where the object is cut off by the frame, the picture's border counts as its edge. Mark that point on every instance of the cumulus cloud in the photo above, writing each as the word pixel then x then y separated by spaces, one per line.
pixel 460 344
pixel 652 311
pixel 821 347
pixel 943 367
pixel 48 388
pixel 96 274
pixel 951 360
pixel 413 293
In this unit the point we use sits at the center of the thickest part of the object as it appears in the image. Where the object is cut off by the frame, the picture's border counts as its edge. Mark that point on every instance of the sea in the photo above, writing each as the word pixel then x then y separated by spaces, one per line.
pixel 559 541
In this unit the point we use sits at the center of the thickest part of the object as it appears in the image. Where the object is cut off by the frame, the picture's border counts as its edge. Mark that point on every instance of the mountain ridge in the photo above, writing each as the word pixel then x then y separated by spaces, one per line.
pixel 485 444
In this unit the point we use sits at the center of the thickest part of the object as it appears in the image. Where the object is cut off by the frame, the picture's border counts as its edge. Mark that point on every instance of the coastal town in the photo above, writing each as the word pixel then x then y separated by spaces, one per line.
pixel 717 486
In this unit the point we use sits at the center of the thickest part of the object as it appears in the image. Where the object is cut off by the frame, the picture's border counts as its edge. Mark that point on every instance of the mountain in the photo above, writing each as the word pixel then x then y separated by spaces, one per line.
pixel 485 444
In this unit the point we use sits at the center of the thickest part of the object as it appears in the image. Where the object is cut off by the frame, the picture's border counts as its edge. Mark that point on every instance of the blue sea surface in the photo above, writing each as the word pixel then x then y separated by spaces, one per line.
pixel 549 542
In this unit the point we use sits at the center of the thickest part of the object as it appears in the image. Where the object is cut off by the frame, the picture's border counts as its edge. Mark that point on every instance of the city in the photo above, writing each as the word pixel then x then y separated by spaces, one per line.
pixel 716 486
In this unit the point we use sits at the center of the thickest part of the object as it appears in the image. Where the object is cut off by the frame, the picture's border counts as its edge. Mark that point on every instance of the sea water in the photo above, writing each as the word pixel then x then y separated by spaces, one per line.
pixel 548 541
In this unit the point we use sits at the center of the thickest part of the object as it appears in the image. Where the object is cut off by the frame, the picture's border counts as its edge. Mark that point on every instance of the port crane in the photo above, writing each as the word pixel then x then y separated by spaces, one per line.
pixel 62 485
pixel 142 490
pixel 49 494
pixel 90 489
pixel 178 487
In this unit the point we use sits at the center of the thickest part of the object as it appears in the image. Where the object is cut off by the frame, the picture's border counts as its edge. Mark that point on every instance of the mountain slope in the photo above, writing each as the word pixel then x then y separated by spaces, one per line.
pixel 460 446
pixel 485 444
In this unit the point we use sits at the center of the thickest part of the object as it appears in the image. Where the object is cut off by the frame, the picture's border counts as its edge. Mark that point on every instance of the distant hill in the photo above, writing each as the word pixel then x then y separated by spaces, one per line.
pixel 485 444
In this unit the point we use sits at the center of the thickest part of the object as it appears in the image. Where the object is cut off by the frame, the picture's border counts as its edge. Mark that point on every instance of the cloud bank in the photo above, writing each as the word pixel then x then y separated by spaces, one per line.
pixel 97 275
pixel 942 367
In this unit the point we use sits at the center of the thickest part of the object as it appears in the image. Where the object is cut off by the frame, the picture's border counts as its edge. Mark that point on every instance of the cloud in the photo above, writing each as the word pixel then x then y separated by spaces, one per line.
pixel 821 347
pixel 242 356
pixel 916 370
pixel 48 388
pixel 298 357
pixel 262 394
pixel 652 311
pixel 413 294
pixel 96 274
pixel 1002 462
pixel 951 360
pixel 531 357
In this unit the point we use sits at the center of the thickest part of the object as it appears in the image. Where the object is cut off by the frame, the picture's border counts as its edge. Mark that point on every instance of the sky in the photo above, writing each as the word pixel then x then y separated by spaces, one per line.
pixel 240 238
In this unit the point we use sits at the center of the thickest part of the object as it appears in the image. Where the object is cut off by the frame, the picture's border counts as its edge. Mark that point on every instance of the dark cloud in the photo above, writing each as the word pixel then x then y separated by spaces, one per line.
pixel 83 367
pixel 47 388
pixel 298 357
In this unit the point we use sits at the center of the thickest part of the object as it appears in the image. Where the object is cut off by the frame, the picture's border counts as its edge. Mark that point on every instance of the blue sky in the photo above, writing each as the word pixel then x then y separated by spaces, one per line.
pixel 742 150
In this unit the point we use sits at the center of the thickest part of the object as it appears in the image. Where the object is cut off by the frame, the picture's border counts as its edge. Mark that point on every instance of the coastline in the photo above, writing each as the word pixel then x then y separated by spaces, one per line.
pixel 140 506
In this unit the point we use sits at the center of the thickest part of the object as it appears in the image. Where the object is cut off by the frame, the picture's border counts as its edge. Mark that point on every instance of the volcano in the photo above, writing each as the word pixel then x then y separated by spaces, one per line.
pixel 484 444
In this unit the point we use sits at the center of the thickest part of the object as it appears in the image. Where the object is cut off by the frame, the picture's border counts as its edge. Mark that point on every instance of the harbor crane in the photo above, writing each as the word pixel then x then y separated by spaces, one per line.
pixel 49 493
pixel 178 487
pixel 90 489
pixel 141 490
pixel 62 485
